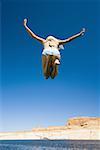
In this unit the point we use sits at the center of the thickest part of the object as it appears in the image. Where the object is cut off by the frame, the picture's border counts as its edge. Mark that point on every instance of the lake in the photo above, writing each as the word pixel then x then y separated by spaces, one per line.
pixel 49 145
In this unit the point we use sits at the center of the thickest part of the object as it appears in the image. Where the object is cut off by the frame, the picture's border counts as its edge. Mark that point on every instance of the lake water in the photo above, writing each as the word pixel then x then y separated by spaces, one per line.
pixel 49 145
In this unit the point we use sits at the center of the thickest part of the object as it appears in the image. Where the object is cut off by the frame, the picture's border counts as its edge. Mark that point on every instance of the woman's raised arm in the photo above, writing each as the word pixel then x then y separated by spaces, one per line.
pixel 32 34
pixel 72 37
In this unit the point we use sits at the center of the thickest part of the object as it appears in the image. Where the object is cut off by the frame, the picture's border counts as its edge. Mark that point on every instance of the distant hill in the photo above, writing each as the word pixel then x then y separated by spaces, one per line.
pixel 84 122
pixel 80 128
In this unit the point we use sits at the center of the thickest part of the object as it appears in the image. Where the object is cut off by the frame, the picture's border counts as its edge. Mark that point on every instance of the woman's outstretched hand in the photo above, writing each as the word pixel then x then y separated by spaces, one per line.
pixel 25 22
pixel 83 31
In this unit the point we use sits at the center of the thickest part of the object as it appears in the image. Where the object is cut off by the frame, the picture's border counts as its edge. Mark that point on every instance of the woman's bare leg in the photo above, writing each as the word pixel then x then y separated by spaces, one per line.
pixel 55 71
pixel 54 68
pixel 46 65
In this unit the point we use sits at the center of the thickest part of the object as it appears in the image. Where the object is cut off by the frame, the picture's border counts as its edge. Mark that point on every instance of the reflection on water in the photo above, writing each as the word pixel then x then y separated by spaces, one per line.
pixel 49 145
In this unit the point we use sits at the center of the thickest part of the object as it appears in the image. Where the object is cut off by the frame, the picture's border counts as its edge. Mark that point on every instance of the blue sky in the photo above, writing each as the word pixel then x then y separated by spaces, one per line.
pixel 28 100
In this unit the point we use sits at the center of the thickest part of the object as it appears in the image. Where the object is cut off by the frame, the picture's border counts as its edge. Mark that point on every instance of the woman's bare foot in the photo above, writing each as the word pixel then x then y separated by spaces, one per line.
pixel 57 62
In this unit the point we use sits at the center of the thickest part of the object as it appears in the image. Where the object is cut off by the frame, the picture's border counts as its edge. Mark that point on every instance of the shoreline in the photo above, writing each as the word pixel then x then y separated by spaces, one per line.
pixel 68 134
pixel 75 129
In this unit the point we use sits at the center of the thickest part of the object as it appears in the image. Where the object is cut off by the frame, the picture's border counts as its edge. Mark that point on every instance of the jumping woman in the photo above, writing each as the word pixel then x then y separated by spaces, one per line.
pixel 51 51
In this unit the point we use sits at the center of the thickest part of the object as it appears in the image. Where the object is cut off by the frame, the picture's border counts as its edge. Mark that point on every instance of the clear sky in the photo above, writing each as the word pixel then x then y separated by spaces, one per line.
pixel 28 100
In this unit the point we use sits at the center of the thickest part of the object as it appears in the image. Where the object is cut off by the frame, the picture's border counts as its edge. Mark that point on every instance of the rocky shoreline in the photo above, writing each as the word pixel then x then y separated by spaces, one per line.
pixel 84 128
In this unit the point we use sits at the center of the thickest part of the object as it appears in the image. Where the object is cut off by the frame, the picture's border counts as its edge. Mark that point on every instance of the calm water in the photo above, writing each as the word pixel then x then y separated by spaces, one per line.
pixel 49 145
